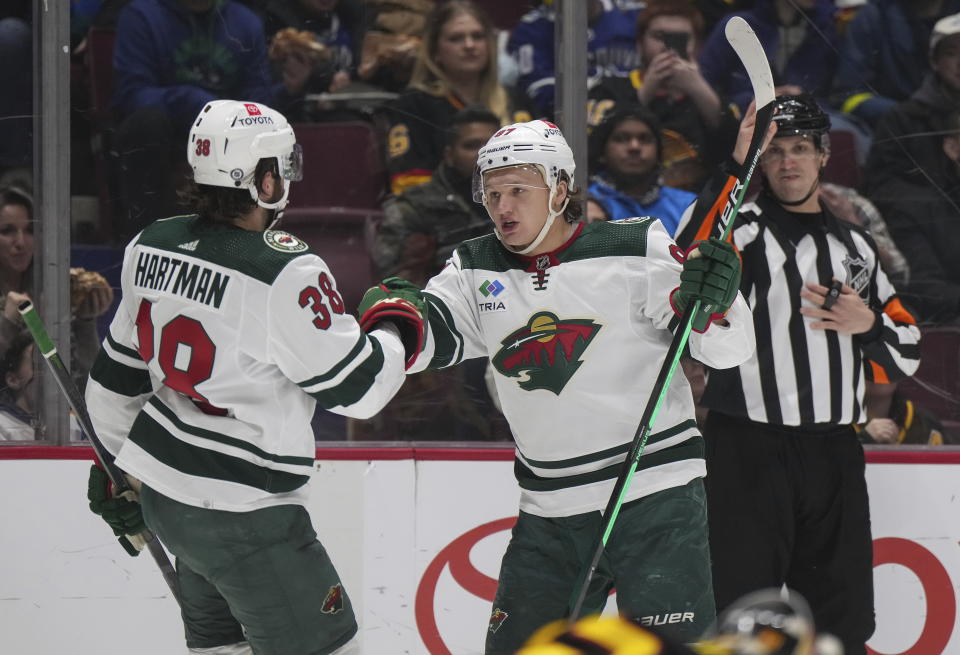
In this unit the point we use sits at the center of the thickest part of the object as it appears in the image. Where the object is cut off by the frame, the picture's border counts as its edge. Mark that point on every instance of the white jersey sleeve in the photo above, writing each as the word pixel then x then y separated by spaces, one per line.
pixel 322 348
pixel 720 346
pixel 454 333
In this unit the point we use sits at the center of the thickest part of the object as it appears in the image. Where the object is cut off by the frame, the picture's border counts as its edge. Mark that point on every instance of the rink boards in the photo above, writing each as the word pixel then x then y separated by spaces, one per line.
pixel 417 534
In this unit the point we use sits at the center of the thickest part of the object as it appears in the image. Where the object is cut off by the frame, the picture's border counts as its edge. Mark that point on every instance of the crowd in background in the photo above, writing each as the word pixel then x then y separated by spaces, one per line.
pixel 434 80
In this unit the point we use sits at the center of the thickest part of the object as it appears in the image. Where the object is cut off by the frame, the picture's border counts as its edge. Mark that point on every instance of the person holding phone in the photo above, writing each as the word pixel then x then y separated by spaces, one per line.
pixel 697 128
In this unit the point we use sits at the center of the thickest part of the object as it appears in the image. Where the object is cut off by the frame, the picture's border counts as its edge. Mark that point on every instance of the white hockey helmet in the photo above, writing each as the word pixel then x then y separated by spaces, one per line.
pixel 229 138
pixel 538 143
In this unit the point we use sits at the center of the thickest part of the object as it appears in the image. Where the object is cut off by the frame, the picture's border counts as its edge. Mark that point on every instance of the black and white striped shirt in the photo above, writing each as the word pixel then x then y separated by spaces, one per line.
pixel 799 375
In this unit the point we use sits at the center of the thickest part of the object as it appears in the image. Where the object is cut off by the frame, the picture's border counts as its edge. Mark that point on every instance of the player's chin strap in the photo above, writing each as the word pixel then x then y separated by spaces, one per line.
pixel 276 208
pixel 796 203
pixel 551 215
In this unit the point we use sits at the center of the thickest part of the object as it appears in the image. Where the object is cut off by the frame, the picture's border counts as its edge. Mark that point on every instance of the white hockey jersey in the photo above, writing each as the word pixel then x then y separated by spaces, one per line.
pixel 222 345
pixel 577 338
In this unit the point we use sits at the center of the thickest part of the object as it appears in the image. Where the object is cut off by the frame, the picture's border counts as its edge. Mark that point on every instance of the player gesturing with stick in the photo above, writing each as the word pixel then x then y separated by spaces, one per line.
pixel 576 320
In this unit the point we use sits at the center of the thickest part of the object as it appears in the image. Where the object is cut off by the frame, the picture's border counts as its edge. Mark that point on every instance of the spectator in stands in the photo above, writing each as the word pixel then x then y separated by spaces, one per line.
pixel 713 11
pixel 625 169
pixel 696 128
pixel 792 33
pixel 18 392
pixel 923 214
pixel 16 284
pixel 337 26
pixel 908 138
pixel 171 57
pixel 16 80
pixel 420 230
pixel 884 55
pixel 610 50
pixel 457 67
pixel 391 41
pixel 421 227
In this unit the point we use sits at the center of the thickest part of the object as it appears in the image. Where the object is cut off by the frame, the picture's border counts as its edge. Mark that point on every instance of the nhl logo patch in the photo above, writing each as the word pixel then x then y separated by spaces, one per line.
pixel 858 276
pixel 284 241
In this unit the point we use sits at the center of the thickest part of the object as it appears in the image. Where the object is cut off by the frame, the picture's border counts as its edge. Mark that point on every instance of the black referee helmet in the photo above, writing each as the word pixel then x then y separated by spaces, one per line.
pixel 800 115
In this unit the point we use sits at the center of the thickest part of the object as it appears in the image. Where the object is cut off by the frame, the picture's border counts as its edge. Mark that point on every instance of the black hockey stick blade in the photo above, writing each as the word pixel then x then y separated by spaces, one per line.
pixel 121 485
pixel 754 59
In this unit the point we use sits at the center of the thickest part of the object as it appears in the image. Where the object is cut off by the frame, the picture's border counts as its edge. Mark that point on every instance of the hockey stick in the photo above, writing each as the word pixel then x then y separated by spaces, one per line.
pixel 121 486
pixel 754 59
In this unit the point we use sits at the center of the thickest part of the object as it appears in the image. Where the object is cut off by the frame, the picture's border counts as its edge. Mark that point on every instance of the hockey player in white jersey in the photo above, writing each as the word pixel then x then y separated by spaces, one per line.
pixel 576 320
pixel 228 335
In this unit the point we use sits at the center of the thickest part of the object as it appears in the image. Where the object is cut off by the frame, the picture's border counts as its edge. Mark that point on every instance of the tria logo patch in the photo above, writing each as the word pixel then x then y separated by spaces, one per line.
pixel 545 353
pixel 497 617
pixel 252 109
pixel 333 603
pixel 489 288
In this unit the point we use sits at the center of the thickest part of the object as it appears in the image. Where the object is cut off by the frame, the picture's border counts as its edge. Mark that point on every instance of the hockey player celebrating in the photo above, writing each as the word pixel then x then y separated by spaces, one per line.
pixel 576 320
pixel 227 336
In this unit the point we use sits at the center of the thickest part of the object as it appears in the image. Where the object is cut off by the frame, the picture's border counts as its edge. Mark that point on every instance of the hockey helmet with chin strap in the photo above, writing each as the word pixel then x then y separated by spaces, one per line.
pixel 535 143
pixel 765 622
pixel 229 138
pixel 800 115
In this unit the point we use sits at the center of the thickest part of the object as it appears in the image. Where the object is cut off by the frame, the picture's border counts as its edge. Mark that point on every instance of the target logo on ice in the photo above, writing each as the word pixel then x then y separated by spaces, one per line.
pixel 455 557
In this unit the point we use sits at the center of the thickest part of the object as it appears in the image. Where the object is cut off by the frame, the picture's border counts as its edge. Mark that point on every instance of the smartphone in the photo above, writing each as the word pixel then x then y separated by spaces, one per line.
pixel 676 41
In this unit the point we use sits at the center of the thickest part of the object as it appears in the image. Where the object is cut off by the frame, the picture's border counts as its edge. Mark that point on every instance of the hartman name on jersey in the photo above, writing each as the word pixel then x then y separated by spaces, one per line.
pixel 161 272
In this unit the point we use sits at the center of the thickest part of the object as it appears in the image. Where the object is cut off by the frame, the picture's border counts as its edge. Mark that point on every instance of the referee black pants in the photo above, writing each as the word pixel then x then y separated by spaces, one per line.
pixel 790 507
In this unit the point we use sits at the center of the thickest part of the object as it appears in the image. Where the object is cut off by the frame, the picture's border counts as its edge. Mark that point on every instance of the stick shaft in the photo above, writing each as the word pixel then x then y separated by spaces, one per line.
pixel 751 53
pixel 120 483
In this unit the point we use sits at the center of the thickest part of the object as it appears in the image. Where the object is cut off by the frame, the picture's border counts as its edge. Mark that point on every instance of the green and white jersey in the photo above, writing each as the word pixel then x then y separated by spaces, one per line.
pixel 576 338
pixel 222 345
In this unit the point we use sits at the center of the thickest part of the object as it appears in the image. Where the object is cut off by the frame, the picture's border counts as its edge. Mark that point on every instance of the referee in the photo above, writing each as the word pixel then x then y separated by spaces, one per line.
pixel 786 491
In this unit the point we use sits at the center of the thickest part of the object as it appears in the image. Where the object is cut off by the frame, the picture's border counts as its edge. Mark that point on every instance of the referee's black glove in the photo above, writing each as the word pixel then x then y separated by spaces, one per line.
pixel 711 272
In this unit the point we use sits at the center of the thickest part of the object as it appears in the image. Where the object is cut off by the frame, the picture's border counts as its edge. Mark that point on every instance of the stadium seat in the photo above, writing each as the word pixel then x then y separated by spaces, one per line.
pixel 340 236
pixel 505 14
pixel 936 384
pixel 842 167
pixel 99 63
pixel 343 166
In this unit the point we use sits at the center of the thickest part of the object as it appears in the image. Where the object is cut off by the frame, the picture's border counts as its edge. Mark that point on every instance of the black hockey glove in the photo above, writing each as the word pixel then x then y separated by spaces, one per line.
pixel 122 515
pixel 400 302
pixel 713 276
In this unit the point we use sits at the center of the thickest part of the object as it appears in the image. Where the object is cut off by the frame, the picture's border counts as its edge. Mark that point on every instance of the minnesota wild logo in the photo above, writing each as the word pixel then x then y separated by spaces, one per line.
pixel 545 353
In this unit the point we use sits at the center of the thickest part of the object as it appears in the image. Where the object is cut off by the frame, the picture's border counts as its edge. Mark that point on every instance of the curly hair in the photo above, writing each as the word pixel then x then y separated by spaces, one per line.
pixel 223 204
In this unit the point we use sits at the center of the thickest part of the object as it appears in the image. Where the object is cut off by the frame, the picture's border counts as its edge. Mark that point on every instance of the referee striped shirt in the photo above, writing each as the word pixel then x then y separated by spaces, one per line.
pixel 799 375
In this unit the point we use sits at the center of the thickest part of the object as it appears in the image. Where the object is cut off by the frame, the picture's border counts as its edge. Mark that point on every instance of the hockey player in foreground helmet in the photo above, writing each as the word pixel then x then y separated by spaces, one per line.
pixel 766 622
pixel 244 147
pixel 524 179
